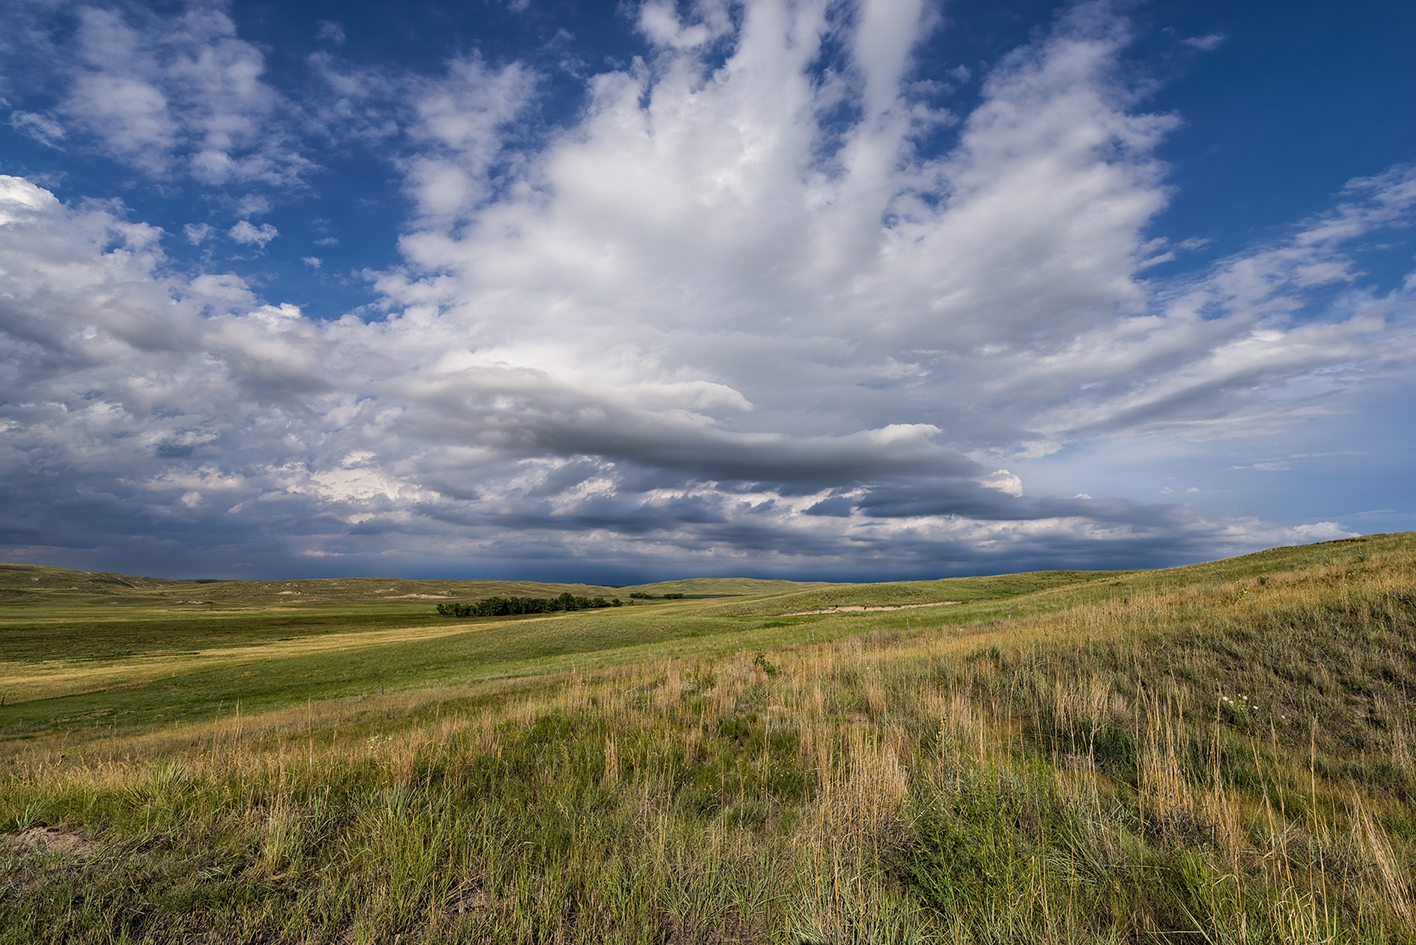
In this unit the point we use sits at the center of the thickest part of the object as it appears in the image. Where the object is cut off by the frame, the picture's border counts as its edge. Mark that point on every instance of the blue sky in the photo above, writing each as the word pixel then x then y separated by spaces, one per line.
pixel 631 291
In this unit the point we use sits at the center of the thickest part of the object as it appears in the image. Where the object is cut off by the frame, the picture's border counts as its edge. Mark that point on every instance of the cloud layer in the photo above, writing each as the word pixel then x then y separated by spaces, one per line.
pixel 736 317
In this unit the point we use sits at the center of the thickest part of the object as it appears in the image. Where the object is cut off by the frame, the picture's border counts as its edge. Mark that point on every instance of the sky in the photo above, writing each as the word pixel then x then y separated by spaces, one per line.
pixel 630 291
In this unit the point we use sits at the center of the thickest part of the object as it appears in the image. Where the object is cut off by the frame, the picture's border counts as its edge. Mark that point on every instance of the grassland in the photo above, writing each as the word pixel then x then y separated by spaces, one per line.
pixel 1219 753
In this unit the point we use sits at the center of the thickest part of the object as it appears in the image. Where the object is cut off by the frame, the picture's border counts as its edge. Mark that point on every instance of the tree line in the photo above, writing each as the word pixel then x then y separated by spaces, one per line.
pixel 514 606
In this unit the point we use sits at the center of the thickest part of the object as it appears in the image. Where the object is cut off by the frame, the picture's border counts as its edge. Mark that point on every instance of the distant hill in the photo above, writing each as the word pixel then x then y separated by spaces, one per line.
pixel 35 584
pixel 22 584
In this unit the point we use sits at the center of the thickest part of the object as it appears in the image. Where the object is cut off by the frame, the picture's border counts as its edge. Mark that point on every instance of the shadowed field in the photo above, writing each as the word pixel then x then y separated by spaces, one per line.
pixel 1218 753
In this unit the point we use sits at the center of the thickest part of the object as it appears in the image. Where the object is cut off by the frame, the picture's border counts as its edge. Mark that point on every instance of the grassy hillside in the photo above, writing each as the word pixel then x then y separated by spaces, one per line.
pixel 1219 753
pixel 906 593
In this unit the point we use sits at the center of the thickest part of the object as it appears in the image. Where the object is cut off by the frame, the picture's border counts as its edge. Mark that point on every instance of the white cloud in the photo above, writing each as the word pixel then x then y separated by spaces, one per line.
pixel 251 235
pixel 659 21
pixel 22 202
pixel 461 122
pixel 1004 481
pixel 179 94
pixel 314 262
pixel 253 205
pixel 1206 43
pixel 197 233
pixel 41 128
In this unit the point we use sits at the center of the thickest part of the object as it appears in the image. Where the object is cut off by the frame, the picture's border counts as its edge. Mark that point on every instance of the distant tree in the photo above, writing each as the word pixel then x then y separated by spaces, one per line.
pixel 517 606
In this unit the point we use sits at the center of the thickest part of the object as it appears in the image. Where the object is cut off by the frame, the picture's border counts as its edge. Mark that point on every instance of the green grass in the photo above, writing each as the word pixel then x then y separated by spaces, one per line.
pixel 1001 587
pixel 1221 753
pixel 413 645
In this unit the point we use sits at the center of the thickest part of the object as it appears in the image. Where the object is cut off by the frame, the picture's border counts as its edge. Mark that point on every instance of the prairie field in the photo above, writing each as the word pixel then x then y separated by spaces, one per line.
pixel 1219 753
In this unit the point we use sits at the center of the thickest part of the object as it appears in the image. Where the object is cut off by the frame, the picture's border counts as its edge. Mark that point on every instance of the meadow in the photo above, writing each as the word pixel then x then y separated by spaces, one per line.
pixel 1219 753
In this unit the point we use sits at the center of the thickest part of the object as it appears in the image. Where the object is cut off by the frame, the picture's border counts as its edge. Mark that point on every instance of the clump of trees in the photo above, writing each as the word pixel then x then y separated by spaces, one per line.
pixel 514 606
pixel 640 595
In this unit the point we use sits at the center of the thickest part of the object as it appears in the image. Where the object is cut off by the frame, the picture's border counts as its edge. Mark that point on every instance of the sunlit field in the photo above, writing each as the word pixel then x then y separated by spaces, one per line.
pixel 1219 753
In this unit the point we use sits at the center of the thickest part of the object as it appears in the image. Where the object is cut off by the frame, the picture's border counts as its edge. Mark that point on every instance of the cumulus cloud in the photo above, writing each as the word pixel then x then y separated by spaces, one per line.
pixel 253 205
pixel 659 21
pixel 1004 481
pixel 708 325
pixel 251 235
pixel 461 129
pixel 179 94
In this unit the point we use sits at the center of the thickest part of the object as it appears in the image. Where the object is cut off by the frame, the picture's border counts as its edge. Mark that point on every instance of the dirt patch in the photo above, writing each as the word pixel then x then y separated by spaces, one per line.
pixel 49 840
pixel 468 899
pixel 848 608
